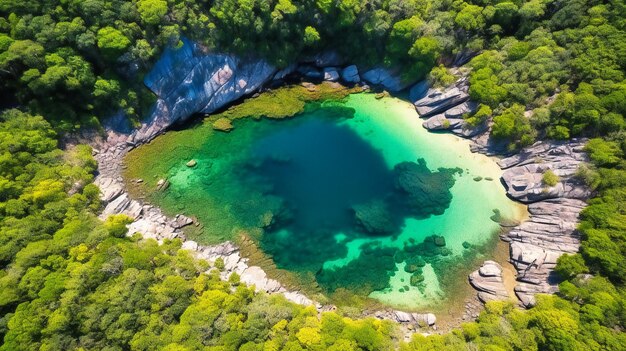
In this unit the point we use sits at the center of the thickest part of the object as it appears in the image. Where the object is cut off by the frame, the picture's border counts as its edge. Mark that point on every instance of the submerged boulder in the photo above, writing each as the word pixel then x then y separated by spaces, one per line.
pixel 422 192
pixel 374 217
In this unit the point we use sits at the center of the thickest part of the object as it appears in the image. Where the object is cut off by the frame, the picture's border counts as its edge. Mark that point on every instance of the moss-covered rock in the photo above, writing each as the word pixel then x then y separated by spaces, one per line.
pixel 416 278
pixel 223 124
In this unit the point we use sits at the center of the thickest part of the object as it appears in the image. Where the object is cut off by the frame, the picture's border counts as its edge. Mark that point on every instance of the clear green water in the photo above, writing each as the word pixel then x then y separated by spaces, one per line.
pixel 356 194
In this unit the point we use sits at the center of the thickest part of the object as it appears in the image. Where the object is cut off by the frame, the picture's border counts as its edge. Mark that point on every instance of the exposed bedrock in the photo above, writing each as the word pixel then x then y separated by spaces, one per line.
pixel 554 207
pixel 487 280
pixel 523 175
pixel 444 108
pixel 554 210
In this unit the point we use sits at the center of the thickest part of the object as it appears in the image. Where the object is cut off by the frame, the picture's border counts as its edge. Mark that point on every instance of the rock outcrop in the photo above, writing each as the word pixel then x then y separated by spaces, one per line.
pixel 419 90
pixel 188 80
pixel 331 74
pixel 537 243
pixel 385 78
pixel 523 175
pixel 438 100
pixel 550 231
pixel 445 108
pixel 489 283
pixel 350 74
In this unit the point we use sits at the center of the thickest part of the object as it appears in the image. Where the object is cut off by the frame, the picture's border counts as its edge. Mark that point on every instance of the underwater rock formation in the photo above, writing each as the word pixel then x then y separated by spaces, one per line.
pixel 423 193
pixel 375 217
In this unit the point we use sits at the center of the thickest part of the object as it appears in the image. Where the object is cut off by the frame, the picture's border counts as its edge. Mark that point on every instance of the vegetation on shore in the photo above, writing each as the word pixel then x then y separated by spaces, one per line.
pixel 68 281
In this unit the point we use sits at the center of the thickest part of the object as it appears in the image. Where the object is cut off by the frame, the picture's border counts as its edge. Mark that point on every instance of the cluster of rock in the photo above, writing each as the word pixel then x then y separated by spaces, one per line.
pixel 489 283
pixel 445 108
pixel 550 232
pixel 417 319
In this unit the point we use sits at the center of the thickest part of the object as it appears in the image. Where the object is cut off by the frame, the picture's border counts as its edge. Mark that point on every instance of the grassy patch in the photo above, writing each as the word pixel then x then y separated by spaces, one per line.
pixel 284 102
pixel 549 178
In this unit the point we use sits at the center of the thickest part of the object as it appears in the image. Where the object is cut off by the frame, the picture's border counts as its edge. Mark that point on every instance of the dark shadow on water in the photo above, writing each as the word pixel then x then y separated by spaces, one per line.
pixel 330 180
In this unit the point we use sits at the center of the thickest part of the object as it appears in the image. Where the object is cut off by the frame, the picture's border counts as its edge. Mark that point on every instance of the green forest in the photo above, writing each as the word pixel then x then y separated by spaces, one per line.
pixel 69 281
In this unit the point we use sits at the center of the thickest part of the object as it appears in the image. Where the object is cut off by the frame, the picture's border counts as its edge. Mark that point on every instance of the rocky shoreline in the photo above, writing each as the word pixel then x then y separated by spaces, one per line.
pixel 550 231
pixel 190 80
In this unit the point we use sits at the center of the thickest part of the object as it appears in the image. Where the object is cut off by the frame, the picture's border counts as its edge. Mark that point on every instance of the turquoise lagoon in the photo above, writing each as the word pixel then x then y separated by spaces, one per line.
pixel 353 194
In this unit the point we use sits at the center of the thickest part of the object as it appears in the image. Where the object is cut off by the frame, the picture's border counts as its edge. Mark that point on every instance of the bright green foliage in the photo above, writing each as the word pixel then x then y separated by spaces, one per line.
pixel 152 11
pixel 116 225
pixel 514 126
pixel 549 178
pixel 424 51
pixel 311 36
pixel 482 114
pixel 112 42
pixel 440 77
pixel 470 18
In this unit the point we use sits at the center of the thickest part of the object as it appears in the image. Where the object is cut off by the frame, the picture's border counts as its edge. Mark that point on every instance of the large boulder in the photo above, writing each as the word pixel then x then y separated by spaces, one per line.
pixel 440 122
pixel 460 110
pixel 350 74
pixel 331 74
pixel 385 78
pixel 419 90
pixel 437 101
pixel 489 283
pixel 523 175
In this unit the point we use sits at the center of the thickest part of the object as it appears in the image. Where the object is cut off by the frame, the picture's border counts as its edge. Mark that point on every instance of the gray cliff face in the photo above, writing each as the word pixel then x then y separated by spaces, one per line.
pixel 187 80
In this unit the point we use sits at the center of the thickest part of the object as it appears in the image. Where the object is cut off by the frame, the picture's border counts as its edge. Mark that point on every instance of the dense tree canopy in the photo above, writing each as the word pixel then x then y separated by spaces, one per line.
pixel 69 281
